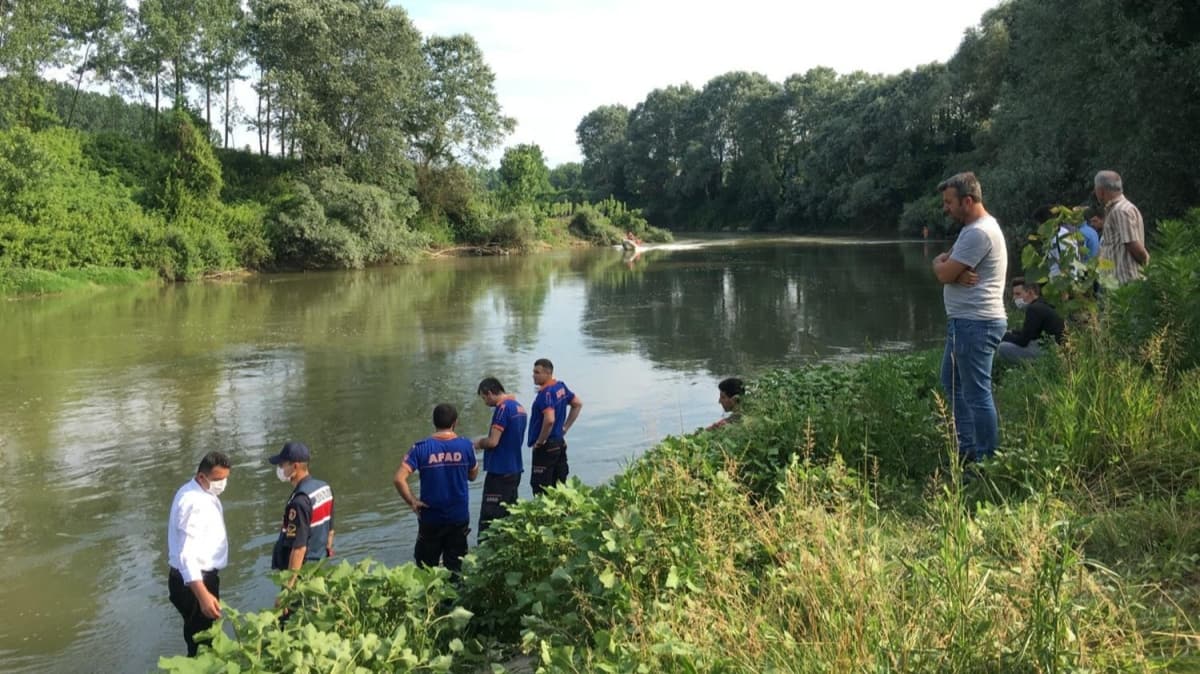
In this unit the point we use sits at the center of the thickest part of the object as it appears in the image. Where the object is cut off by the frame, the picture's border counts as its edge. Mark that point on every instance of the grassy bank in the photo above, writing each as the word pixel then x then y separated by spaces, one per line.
pixel 31 282
pixel 828 532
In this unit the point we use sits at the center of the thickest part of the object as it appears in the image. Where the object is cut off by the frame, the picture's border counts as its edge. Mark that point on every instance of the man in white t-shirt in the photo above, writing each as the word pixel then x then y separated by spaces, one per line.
pixel 197 547
pixel 972 276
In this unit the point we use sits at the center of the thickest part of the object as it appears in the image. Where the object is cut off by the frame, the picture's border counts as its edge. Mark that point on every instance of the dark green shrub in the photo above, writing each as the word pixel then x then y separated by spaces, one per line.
pixel 332 221
pixel 514 231
pixel 588 223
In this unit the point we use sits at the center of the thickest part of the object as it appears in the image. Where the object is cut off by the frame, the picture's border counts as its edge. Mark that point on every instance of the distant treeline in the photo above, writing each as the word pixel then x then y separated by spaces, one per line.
pixel 1038 97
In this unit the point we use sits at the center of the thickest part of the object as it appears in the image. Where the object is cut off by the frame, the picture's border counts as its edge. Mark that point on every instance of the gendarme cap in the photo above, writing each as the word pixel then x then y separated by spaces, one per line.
pixel 292 452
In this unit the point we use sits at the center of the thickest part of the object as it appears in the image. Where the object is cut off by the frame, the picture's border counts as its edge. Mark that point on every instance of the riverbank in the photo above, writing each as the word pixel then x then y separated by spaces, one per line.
pixel 17 283
pixel 830 531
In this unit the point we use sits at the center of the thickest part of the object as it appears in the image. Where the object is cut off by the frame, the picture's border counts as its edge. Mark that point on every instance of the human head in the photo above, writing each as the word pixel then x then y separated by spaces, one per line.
pixel 292 461
pixel 731 391
pixel 1094 217
pixel 491 390
pixel 214 467
pixel 1027 292
pixel 543 371
pixel 962 197
pixel 445 417
pixel 1107 186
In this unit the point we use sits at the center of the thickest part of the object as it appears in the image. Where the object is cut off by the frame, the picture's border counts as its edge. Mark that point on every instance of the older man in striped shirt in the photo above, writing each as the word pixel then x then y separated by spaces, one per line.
pixel 1123 242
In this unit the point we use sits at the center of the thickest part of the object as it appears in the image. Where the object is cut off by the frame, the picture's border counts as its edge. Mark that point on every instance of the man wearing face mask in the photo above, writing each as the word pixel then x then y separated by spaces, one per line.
pixel 197 547
pixel 1040 319
pixel 307 517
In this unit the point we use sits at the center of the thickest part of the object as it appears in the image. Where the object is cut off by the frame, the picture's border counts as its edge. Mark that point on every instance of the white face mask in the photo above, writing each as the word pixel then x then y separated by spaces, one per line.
pixel 1020 302
pixel 283 477
pixel 215 487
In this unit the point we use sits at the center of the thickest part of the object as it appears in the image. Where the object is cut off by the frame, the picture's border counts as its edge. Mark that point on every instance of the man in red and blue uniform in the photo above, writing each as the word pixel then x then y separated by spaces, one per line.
pixel 445 463
pixel 554 412
pixel 501 451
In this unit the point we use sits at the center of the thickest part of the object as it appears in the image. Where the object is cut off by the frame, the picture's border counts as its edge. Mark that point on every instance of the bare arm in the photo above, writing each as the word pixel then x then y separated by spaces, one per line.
pixel 948 270
pixel 491 440
pixel 547 426
pixel 473 472
pixel 576 406
pixel 401 483
pixel 1139 252
pixel 210 606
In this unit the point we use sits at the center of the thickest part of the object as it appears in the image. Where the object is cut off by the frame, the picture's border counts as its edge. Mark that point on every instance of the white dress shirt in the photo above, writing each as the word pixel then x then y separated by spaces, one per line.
pixel 196 532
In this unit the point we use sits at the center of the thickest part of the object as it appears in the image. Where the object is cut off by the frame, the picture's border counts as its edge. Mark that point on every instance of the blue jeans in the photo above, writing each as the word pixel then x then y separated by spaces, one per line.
pixel 967 380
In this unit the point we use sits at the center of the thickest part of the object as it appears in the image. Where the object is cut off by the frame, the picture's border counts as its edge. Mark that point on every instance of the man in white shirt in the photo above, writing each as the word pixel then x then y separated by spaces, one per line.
pixel 197 547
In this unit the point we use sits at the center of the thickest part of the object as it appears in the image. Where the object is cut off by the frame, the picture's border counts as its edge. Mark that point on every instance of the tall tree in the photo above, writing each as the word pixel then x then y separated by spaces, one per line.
pixel 343 76
pixel 601 136
pixel 457 115
pixel 524 178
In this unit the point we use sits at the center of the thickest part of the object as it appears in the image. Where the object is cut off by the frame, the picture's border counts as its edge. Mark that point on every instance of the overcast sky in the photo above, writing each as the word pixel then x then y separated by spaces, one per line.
pixel 557 60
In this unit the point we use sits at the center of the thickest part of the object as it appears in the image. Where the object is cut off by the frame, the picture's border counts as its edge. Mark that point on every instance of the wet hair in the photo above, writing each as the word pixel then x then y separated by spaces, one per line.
pixel 213 460
pixel 544 363
pixel 964 185
pixel 490 385
pixel 1109 181
pixel 444 416
pixel 732 387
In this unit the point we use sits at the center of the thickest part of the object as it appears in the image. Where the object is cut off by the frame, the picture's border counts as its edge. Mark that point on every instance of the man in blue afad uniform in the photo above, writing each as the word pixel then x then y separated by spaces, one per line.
pixel 445 463
pixel 501 451
pixel 306 533
pixel 555 410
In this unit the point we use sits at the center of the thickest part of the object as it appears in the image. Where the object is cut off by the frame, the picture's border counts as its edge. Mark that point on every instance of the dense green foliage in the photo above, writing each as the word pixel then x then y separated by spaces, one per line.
pixel 832 530
pixel 369 139
pixel 1039 96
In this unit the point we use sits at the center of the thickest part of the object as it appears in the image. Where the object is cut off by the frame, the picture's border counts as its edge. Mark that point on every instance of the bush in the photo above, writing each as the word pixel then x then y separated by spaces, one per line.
pixel 329 220
pixel 588 223
pixel 57 212
pixel 514 231
pixel 1166 306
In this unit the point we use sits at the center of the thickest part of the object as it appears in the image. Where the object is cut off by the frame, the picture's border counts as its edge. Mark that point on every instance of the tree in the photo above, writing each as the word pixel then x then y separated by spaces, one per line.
pixel 342 77
pixel 524 178
pixel 658 134
pixel 457 114
pixel 31 39
pixel 602 141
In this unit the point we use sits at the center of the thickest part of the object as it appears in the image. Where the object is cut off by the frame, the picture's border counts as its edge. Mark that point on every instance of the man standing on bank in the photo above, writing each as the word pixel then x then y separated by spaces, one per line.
pixel 445 463
pixel 549 422
pixel 501 452
pixel 197 547
pixel 308 516
pixel 1123 251
pixel 972 276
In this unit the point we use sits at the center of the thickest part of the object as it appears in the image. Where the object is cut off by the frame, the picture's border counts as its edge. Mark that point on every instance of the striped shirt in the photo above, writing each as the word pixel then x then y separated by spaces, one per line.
pixel 1122 225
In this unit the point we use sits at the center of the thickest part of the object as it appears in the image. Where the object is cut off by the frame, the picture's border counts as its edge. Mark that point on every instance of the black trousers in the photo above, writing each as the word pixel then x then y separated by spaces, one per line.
pixel 499 489
pixel 444 542
pixel 188 606
pixel 549 465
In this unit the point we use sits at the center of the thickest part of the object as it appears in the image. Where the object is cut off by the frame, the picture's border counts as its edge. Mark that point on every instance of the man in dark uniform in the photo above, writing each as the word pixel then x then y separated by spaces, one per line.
pixel 501 451
pixel 308 516
pixel 445 463
pixel 549 421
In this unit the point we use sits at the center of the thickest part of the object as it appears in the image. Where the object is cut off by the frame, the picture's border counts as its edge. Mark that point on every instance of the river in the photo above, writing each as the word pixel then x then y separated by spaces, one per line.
pixel 109 399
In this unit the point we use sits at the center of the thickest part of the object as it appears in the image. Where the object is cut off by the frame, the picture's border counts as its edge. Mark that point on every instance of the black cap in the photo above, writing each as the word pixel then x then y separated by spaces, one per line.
pixel 292 452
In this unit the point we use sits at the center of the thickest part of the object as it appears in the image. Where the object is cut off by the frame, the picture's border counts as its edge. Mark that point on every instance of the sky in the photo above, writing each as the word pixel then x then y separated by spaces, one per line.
pixel 557 60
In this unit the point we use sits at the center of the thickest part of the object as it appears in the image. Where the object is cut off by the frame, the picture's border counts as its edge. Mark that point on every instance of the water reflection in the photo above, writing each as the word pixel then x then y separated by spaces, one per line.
pixel 108 400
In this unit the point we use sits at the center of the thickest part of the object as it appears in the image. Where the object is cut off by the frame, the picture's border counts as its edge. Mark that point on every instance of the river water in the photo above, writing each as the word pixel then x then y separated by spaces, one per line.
pixel 109 399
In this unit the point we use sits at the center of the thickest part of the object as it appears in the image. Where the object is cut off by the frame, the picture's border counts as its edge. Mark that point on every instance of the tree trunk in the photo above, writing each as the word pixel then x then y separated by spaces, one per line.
pixel 78 83
pixel 226 124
